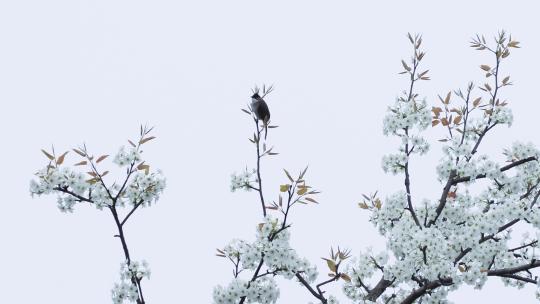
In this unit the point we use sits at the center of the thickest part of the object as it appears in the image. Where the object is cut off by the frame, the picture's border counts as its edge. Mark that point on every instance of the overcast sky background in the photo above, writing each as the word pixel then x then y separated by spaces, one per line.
pixel 92 71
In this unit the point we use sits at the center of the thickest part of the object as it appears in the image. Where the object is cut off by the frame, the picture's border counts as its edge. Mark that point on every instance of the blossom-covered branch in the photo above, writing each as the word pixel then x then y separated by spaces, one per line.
pixel 271 255
pixel 434 247
pixel 139 188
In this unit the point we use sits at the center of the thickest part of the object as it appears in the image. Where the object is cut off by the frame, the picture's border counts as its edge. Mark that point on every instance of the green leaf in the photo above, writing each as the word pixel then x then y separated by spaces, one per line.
pixel 331 265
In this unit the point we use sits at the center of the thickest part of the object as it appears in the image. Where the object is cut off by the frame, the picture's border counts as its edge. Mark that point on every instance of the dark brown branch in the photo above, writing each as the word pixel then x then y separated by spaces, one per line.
pixel 130 171
pixel 131 212
pixel 523 246
pixel 452 180
pixel 514 270
pixel 485 238
pixel 519 278
pixel 260 189
pixel 408 187
pixel 417 293
pixel 379 289
pixel 505 168
pixel 310 289
pixel 75 195
pixel 493 98
pixel 255 275
pixel 335 278
pixel 444 197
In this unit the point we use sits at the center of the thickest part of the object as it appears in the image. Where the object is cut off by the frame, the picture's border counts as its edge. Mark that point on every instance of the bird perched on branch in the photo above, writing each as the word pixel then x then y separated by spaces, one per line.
pixel 260 109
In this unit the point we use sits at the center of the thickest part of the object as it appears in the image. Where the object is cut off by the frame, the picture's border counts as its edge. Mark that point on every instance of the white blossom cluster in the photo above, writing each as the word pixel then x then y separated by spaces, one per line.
pixel 126 290
pixel 72 187
pixel 145 188
pixel 329 300
pixel 124 158
pixel 394 163
pixel 468 238
pixel 243 180
pixel 406 115
pixel 271 245
pixel 406 119
pixel 502 115
pixel 263 290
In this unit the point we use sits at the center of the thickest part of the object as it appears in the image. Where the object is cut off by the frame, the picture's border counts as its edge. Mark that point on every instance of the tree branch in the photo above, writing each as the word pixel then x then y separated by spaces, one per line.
pixel 311 290
pixel 75 195
pixel 505 168
pixel 260 189
pixel 417 293
pixel 514 270
pixel 131 212
pixel 379 289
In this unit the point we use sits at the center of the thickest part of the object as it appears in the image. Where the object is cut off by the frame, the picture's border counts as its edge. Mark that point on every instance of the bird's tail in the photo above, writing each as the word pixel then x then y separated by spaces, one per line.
pixel 265 128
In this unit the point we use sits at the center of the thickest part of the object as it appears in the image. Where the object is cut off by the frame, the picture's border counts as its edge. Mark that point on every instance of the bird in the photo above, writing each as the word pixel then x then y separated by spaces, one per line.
pixel 261 111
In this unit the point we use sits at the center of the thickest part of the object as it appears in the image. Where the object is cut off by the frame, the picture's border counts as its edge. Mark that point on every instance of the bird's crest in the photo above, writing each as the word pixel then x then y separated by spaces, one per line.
pixel 265 91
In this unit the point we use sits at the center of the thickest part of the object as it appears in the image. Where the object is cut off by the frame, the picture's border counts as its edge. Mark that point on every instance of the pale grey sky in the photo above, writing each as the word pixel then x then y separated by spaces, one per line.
pixel 74 71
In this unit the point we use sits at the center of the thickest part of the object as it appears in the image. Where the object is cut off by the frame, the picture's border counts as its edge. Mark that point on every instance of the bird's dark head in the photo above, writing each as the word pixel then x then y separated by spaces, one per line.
pixel 255 95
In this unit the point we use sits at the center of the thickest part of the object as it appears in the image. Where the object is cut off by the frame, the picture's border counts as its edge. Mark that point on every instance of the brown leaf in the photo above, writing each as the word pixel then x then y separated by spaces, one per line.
pixel 289 176
pixel 513 44
pixel 435 122
pixel 444 122
pixel 82 163
pixel 457 120
pixel 410 37
pixel 301 176
pixel 405 66
pixel 61 158
pixel 378 204
pixel 345 277
pixel 146 139
pixel 447 98
pixel 143 167
pixel 311 200
pixel 81 153
pixel 49 156
pixel 284 188
pixel 102 157
pixel 476 102
pixel 485 67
